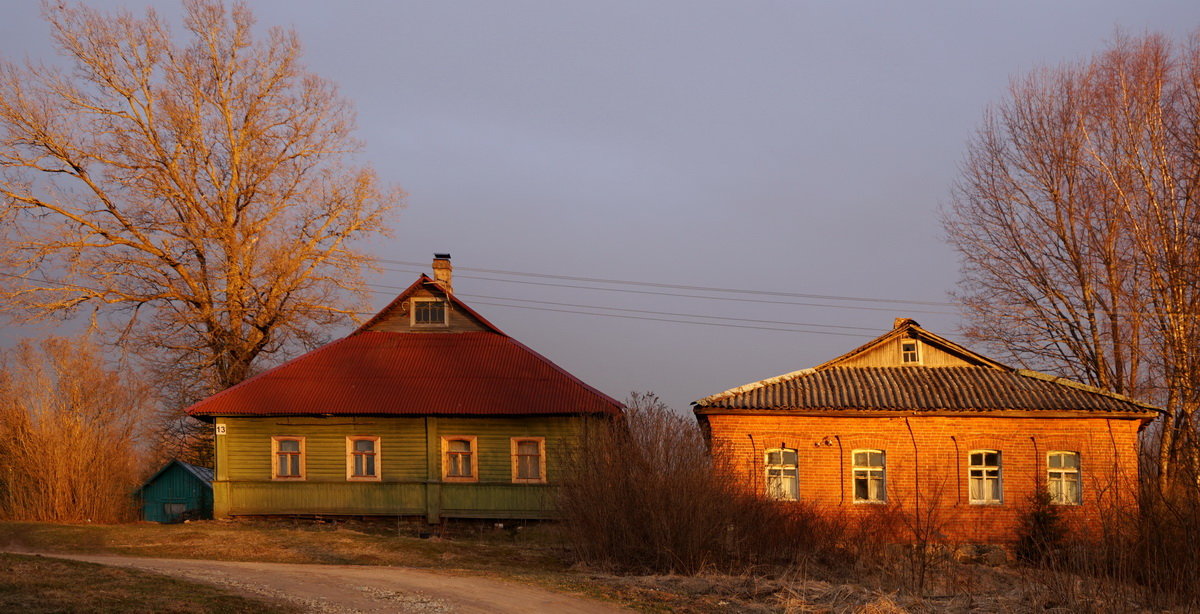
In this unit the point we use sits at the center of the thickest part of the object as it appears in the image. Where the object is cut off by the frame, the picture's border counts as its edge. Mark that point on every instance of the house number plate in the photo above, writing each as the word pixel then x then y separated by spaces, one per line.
pixel 220 429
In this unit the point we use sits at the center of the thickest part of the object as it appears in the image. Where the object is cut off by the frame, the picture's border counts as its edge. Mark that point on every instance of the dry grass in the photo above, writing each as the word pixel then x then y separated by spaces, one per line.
pixel 33 585
pixel 343 543
pixel 540 554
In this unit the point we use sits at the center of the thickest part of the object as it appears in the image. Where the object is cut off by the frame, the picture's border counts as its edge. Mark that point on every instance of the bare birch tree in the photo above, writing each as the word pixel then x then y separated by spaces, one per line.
pixel 199 195
pixel 1077 218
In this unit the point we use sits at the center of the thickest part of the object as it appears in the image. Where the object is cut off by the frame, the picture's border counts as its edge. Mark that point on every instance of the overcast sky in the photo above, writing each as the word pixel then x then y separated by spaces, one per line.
pixel 798 148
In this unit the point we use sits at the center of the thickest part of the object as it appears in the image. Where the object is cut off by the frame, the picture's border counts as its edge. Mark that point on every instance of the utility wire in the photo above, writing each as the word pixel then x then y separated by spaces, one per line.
pixel 389 289
pixel 826 297
pixel 617 315
pixel 676 294
pixel 666 313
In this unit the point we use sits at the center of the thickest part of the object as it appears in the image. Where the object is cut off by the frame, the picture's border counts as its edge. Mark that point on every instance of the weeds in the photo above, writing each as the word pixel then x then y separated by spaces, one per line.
pixel 644 497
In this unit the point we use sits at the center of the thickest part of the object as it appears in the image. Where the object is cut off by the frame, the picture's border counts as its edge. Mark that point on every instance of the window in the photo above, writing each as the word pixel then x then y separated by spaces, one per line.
pixel 1062 477
pixel 783 481
pixel 460 463
pixel 870 480
pixel 984 477
pixel 428 312
pixel 362 458
pixel 528 460
pixel 289 458
pixel 174 509
pixel 910 352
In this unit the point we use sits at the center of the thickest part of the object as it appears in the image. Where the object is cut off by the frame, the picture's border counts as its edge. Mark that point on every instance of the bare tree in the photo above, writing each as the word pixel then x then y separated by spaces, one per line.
pixel 67 432
pixel 1078 222
pixel 199 195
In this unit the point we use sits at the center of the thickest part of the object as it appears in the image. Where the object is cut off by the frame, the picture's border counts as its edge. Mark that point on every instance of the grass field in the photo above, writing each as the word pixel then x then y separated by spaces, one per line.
pixel 34 585
pixel 535 554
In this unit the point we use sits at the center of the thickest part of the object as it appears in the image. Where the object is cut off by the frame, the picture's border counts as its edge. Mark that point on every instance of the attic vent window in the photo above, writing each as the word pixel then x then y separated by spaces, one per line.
pixel 429 312
pixel 910 352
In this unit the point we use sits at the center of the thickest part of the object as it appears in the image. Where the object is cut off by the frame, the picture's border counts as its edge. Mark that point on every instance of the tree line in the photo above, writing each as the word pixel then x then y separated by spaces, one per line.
pixel 197 199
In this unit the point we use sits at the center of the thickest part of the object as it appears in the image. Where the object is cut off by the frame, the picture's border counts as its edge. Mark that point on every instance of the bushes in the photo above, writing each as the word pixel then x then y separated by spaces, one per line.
pixel 1041 534
pixel 642 496
pixel 67 431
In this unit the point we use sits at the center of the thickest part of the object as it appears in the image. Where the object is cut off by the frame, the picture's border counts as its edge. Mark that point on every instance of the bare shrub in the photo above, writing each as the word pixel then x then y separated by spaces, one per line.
pixel 643 496
pixel 67 432
pixel 1141 558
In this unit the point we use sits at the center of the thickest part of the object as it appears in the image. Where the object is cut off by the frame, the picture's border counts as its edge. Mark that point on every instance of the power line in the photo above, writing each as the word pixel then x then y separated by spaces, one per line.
pixel 628 317
pixel 666 313
pixel 826 297
pixel 676 294
pixel 387 289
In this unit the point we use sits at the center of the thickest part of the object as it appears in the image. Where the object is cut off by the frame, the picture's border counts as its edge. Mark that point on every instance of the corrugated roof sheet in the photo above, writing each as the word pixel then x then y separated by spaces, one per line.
pixel 921 388
pixel 204 473
pixel 373 372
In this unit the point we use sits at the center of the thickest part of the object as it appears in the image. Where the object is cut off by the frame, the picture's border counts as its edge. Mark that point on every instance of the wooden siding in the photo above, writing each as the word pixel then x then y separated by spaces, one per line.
pixel 887 354
pixel 400 320
pixel 175 485
pixel 410 466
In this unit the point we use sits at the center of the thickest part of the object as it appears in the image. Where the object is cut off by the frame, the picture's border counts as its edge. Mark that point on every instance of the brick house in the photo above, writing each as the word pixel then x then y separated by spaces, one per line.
pixel 915 423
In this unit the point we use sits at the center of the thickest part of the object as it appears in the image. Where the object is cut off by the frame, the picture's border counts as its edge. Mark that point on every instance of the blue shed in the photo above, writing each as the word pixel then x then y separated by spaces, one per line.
pixel 177 489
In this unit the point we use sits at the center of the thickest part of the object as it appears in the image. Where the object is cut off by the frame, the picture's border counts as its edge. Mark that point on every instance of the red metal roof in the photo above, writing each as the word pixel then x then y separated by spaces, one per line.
pixel 373 372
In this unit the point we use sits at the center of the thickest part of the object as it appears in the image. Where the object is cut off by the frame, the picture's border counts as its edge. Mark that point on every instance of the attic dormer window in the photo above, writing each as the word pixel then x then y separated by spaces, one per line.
pixel 910 352
pixel 428 312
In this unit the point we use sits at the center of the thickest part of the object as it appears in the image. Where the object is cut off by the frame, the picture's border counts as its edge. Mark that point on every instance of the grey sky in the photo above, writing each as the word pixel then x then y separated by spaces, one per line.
pixel 796 147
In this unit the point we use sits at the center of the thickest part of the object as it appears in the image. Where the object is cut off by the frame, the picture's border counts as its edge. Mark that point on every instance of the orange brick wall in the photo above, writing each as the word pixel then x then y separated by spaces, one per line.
pixel 933 450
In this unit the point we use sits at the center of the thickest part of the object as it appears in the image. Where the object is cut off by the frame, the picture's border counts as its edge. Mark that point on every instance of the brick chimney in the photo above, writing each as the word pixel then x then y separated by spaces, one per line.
pixel 442 271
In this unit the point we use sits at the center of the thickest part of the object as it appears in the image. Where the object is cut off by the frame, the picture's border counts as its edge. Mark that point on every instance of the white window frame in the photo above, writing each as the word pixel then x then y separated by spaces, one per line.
pixel 474 452
pixel 867 472
pixel 985 473
pixel 514 447
pixel 777 475
pixel 275 454
pixel 351 453
pixel 445 312
pixel 915 353
pixel 1062 477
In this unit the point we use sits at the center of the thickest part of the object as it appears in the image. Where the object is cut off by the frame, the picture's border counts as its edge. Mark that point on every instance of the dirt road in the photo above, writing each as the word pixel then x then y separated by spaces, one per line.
pixel 347 588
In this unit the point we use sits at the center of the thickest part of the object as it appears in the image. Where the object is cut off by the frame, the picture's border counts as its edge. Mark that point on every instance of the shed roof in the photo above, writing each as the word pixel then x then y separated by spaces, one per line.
pixel 979 385
pixel 204 474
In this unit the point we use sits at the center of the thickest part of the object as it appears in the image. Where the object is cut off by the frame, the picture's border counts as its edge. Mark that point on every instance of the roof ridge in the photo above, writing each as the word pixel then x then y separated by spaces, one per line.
pixel 424 280
pixel 1070 383
pixel 755 385
pixel 906 327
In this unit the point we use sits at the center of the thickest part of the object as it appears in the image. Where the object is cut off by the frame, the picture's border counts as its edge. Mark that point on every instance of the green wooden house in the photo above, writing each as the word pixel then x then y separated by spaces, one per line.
pixel 427 409
pixel 177 491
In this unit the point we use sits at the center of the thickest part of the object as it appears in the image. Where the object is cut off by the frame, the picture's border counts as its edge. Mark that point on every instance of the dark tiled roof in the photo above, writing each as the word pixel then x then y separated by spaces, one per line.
pixel 920 388
pixel 374 372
